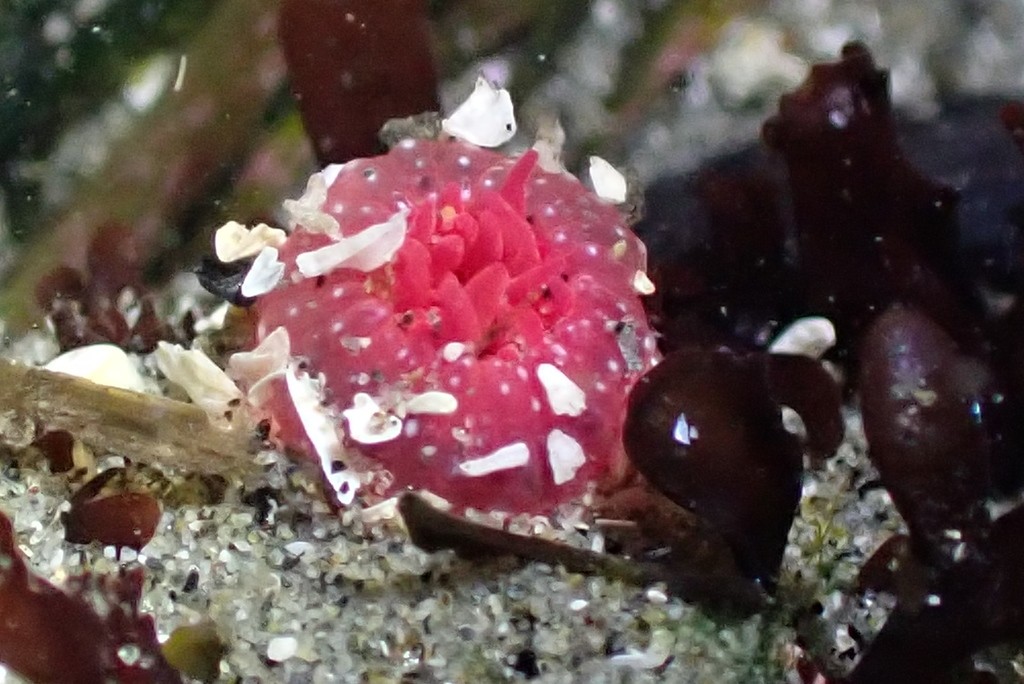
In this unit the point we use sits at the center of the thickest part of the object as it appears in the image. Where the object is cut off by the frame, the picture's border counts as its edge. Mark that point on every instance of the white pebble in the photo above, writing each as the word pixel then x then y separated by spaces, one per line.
pixel 810 336
pixel 282 648
pixel 298 548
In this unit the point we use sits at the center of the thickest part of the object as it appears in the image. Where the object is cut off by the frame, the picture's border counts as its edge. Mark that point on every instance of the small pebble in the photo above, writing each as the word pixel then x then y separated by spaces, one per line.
pixel 282 648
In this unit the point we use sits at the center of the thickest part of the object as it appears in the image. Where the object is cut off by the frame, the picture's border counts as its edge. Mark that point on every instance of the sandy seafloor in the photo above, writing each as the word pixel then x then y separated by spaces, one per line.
pixel 335 599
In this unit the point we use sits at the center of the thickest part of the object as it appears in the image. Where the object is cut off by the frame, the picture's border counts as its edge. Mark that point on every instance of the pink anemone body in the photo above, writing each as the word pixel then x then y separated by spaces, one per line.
pixel 494 342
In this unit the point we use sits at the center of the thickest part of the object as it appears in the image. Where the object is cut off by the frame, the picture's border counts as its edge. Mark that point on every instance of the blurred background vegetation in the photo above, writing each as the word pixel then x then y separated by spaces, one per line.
pixel 169 116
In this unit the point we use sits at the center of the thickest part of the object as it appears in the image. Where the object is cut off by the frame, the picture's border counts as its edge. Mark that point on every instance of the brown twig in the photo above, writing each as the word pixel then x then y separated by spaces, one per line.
pixel 142 427
pixel 434 530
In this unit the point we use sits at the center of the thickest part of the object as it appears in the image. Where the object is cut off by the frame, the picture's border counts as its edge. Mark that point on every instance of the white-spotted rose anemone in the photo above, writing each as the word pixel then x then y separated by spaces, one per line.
pixel 453 320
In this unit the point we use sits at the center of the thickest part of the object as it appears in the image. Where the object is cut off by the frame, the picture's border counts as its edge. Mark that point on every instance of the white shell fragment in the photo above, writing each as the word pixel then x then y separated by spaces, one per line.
pixel 509 456
pixel 810 336
pixel 319 426
pixel 485 119
pixel 214 320
pixel 662 644
pixel 264 274
pixel 608 183
pixel 330 173
pixel 308 210
pixel 379 512
pixel 233 241
pixel 205 383
pixel 452 351
pixel 433 402
pixel 368 423
pixel 642 283
pixel 104 364
pixel 549 143
pixel 366 250
pixel 268 357
pixel 564 396
pixel 565 456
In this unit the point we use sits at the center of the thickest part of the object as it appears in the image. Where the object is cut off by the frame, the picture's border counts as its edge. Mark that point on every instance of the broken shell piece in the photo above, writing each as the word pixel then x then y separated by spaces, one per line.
pixel 330 173
pixel 565 456
pixel 608 183
pixel 308 210
pixel 485 119
pixel 366 250
pixel 549 144
pixel 104 364
pixel 233 241
pixel 642 284
pixel 452 351
pixel 379 512
pixel 205 383
pixel 662 643
pixel 264 275
pixel 509 456
pixel 267 358
pixel 368 423
pixel 565 396
pixel 437 403
pixel 319 426
pixel 810 336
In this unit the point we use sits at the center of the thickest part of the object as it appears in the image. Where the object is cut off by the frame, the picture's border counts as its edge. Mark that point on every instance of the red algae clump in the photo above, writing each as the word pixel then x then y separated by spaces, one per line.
pixel 454 320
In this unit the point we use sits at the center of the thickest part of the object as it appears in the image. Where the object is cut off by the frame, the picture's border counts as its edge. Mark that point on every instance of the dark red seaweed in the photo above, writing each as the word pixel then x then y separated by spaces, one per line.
pixel 90 634
pixel 705 428
pixel 354 65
